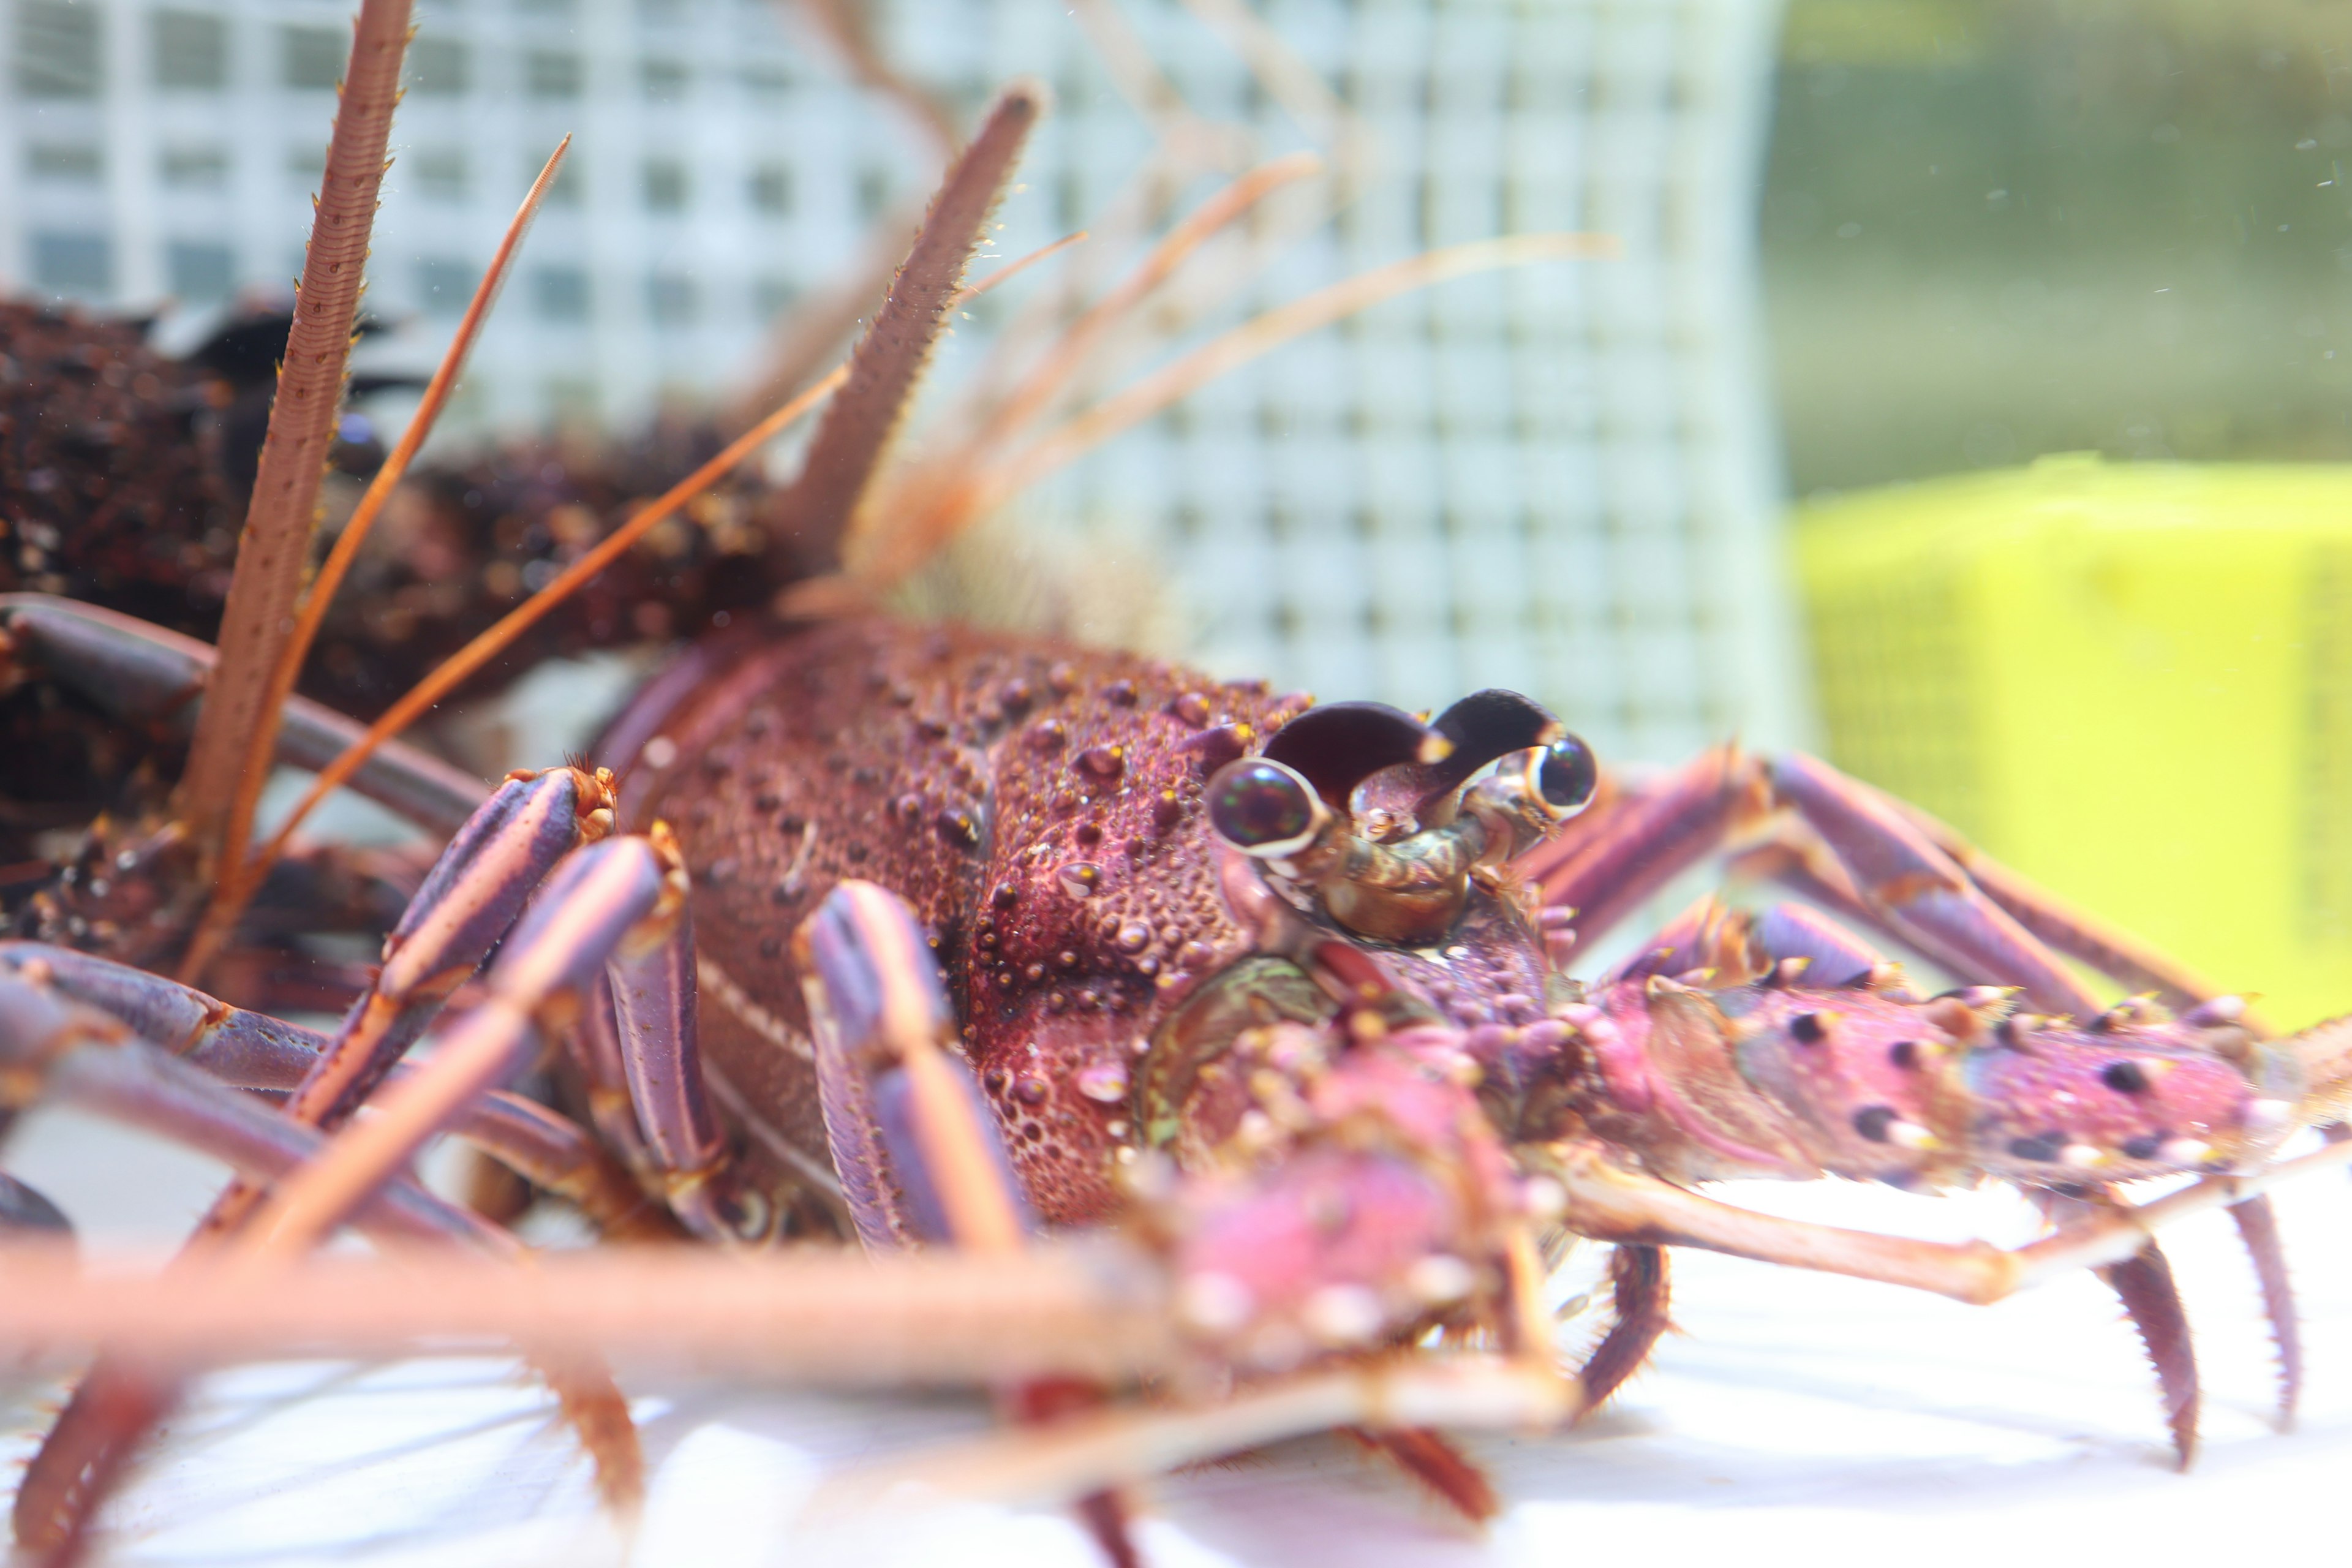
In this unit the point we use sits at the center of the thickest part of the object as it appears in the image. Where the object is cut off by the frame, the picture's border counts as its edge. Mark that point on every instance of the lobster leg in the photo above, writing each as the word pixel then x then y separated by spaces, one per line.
pixel 611 897
pixel 1887 846
pixel 1637 1274
pixel 1072 1459
pixel 1901 881
pixel 2257 1225
pixel 466 905
pixel 1423 1454
pixel 916 1144
pixel 2074 932
pixel 1610 869
pixel 1890 871
pixel 245 1050
pixel 1608 1202
pixel 651 994
pixel 147 675
pixel 2144 1283
pixel 249 1050
pixel 24 1212
pixel 1919 893
pixel 90 1063
pixel 596 1051
pixel 468 901
pixel 1834 955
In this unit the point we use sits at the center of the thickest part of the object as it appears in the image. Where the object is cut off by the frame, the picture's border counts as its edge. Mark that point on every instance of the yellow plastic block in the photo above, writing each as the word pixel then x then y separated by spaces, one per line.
pixel 2132 682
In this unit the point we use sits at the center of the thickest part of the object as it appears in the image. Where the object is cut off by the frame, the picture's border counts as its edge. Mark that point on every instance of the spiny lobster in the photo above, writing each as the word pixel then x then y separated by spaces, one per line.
pixel 946 938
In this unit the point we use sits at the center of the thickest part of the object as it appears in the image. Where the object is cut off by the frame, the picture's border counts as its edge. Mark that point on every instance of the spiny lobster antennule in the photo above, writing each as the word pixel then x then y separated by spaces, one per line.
pixel 890 358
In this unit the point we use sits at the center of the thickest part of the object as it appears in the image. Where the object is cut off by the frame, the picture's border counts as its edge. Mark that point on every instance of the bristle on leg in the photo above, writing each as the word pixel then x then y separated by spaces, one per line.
pixel 1638 1272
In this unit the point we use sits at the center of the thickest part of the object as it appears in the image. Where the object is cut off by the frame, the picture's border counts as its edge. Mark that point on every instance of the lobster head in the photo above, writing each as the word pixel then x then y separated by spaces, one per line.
pixel 1228 982
pixel 1324 1176
pixel 1315 1160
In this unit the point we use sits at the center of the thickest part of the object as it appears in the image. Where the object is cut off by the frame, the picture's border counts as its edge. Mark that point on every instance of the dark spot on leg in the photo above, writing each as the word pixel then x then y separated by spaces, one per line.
pixel 1904 1054
pixel 2123 1078
pixel 1808 1028
pixel 2143 1148
pixel 2043 1148
pixel 1871 1120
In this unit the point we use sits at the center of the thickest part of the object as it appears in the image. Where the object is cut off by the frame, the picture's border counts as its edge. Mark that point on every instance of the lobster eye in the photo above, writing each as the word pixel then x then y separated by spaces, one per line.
pixel 1566 775
pixel 1264 808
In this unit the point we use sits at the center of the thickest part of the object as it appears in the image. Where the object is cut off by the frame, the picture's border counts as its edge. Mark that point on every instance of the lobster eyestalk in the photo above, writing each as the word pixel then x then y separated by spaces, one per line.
pixel 1413 889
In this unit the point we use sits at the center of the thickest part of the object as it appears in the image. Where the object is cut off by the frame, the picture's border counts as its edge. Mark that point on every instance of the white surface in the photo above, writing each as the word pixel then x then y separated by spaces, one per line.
pixel 1793 1417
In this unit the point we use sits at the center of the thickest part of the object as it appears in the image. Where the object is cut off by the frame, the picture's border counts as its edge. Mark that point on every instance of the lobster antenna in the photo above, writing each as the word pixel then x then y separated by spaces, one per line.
pixel 849 27
pixel 1011 269
pixel 890 358
pixel 455 669
pixel 1068 354
pixel 459 666
pixel 235 885
pixel 940 489
pixel 275 546
pixel 975 497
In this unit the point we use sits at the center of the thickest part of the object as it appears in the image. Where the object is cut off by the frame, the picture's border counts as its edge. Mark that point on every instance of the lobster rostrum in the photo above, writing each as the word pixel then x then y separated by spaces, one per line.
pixel 947 938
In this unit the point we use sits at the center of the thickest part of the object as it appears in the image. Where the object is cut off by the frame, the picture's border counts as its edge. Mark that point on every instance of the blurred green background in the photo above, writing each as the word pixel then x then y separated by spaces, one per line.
pixel 1995 228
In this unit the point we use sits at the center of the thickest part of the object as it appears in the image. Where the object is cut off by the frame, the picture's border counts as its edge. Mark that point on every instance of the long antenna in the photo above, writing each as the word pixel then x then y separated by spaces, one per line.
pixel 275 546
pixel 890 358
pixel 233 886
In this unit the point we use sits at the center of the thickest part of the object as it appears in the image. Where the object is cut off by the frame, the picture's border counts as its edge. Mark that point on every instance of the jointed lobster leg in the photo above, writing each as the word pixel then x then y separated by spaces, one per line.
pixel 622 891
pixel 1833 957
pixel 242 1049
pixel 1919 894
pixel 147 675
pixel 1610 1202
pixel 1875 862
pixel 1072 1459
pixel 1925 899
pixel 915 1142
pixel 1879 865
pixel 652 998
pixel 2077 934
pixel 466 905
pixel 2257 1223
pixel 82 1057
pixel 1637 1275
pixel 472 895
pixel 24 1212
pixel 2145 1284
